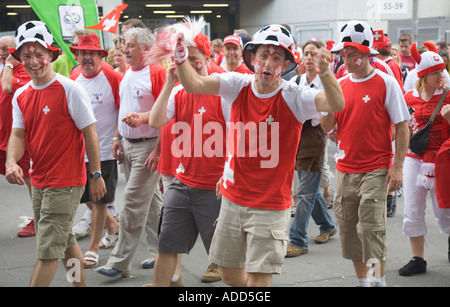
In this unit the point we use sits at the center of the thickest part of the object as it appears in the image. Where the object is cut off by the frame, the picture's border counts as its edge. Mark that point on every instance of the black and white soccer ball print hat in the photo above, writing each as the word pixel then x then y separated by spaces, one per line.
pixel 34 31
pixel 356 34
pixel 276 35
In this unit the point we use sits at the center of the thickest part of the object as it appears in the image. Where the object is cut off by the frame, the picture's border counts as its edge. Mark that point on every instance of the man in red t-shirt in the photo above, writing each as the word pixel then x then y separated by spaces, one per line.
pixel 405 42
pixel 257 181
pixel 373 104
pixel 52 115
pixel 384 47
pixel 232 51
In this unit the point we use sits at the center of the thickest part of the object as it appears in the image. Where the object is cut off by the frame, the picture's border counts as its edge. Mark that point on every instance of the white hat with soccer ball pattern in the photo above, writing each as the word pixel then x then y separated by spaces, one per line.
pixel 275 35
pixel 34 32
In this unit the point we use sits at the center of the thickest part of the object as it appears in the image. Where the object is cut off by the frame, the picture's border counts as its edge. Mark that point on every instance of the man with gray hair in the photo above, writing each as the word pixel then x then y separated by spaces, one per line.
pixel 134 147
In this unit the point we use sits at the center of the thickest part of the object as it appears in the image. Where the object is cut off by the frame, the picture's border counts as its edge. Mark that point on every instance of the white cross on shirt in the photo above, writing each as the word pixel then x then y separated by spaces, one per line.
pixel 202 110
pixel 46 110
pixel 366 99
pixel 269 119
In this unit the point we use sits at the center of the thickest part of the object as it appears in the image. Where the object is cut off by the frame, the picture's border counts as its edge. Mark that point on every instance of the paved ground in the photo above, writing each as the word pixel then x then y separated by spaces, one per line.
pixel 323 266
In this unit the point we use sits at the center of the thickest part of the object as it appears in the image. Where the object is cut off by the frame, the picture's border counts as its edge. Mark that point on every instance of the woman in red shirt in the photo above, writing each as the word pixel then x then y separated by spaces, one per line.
pixel 419 170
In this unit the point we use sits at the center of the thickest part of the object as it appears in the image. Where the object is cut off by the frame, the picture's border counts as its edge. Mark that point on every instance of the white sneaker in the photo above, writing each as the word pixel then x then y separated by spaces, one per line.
pixel 82 228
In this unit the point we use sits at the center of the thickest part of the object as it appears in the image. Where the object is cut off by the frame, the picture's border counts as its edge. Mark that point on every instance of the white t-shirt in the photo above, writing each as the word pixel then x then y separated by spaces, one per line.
pixel 138 93
pixel 103 91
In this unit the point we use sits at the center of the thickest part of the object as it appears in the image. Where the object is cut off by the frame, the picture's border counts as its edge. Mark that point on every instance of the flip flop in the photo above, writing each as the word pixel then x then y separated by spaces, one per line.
pixel 108 240
pixel 92 257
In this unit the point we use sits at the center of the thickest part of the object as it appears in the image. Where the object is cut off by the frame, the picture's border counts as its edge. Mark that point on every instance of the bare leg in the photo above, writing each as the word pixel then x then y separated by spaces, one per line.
pixel 43 272
pixel 77 268
pixel 165 265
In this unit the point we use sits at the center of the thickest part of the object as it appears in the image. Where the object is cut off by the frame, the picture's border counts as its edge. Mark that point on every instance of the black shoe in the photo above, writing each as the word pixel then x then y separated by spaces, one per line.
pixel 391 205
pixel 416 265
pixel 449 248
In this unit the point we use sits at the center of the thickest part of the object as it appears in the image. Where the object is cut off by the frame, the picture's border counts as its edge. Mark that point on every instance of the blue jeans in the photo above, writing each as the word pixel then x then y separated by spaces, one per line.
pixel 310 202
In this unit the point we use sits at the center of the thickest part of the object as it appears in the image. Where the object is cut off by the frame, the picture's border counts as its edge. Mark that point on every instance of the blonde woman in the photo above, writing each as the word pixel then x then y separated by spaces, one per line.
pixel 119 59
pixel 418 170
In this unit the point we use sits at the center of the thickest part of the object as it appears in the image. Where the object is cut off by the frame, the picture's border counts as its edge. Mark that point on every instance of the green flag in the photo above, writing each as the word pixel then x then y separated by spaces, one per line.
pixel 63 17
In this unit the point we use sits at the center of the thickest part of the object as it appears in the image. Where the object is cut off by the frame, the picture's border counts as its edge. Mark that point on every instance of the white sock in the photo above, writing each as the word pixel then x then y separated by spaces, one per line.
pixel 363 282
pixel 175 277
pixel 380 282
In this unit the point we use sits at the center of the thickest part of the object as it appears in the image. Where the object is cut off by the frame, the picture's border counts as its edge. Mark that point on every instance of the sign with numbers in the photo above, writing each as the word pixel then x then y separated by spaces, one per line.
pixel 393 6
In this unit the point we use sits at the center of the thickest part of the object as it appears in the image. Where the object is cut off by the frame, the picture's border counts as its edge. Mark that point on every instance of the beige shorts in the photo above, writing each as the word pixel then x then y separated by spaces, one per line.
pixel 360 208
pixel 249 238
pixel 54 212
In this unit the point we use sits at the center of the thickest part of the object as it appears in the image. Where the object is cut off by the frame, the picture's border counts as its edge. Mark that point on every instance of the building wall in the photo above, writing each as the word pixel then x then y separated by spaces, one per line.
pixel 322 19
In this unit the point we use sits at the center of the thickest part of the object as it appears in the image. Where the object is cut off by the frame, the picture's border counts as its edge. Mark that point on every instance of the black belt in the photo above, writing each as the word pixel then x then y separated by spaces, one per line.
pixel 138 140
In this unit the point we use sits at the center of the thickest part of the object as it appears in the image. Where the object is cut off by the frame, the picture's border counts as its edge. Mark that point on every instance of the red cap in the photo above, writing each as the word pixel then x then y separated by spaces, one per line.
pixel 233 39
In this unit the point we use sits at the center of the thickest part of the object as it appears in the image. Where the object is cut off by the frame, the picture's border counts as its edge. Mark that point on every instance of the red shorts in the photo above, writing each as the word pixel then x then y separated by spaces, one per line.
pixel 24 163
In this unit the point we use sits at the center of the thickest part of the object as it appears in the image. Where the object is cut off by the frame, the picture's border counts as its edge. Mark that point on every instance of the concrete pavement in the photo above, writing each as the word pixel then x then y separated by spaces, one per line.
pixel 323 266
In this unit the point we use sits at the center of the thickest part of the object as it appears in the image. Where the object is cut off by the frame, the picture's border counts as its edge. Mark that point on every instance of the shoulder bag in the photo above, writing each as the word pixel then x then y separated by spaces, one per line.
pixel 419 140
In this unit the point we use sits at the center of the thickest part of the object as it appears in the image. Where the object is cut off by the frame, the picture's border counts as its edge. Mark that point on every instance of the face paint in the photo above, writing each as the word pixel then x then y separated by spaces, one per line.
pixel 24 63
pixel 32 48
pixel 198 66
pixel 277 71
pixel 271 51
pixel 358 61
pixel 258 65
pixel 45 61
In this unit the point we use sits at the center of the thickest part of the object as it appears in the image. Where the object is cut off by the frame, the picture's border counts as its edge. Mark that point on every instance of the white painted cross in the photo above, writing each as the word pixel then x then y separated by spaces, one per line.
pixel 46 110
pixel 269 119
pixel 366 99
pixel 257 67
pixel 202 110
pixel 228 173
pixel 358 62
pixel 180 168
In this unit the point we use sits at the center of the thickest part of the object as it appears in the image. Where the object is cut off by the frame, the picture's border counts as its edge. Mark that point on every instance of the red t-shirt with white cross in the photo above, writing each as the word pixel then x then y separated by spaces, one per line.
pixel 199 137
pixel 364 126
pixel 53 116
pixel 263 135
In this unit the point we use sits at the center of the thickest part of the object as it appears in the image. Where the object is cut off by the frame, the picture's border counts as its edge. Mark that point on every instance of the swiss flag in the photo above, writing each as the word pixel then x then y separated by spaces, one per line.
pixel 109 22
pixel 443 175
pixel 378 36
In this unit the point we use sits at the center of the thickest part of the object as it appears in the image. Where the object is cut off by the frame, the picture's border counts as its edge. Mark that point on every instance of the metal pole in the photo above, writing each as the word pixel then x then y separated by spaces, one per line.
pixel 415 20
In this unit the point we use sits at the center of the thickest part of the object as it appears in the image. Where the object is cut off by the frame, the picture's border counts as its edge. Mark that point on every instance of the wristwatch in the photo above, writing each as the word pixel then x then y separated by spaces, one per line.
pixel 96 175
pixel 9 65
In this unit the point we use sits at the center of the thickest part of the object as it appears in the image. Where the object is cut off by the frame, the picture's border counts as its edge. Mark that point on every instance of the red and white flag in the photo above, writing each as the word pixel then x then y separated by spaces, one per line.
pixel 109 22
pixel 378 36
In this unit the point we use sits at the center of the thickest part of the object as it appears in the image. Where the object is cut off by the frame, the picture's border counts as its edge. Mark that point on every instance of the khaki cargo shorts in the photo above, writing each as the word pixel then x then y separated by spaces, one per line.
pixel 360 209
pixel 250 238
pixel 54 211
